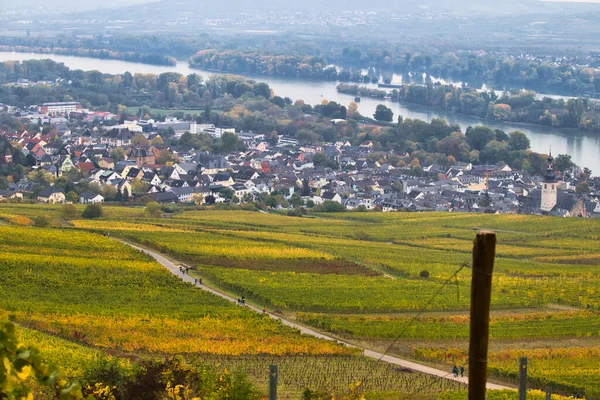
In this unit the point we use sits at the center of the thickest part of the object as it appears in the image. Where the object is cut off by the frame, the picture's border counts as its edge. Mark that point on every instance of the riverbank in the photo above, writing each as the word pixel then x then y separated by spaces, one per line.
pixel 102 54
pixel 582 146
pixel 521 107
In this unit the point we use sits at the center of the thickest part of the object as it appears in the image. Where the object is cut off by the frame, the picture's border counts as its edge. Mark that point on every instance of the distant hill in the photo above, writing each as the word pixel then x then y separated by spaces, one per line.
pixel 69 4
pixel 402 6
pixel 170 7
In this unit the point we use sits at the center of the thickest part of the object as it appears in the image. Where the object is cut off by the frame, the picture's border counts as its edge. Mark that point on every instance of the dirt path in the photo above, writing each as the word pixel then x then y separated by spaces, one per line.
pixel 173 268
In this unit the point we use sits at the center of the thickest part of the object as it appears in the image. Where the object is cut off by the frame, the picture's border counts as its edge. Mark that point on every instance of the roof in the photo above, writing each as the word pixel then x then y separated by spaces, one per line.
pixel 245 174
pixel 47 192
pixel 133 172
pixel 120 134
pixel 414 194
pixel 187 166
pixel 222 176
pixel 90 196
pixel 165 197
pixel 140 152
pixel 149 175
pixel 210 161
pixel 328 195
pixel 63 103
pixel 7 193
pixel 86 166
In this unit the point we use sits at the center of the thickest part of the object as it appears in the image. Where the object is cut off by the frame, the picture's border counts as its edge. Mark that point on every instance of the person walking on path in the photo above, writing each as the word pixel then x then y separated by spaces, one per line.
pixel 462 370
pixel 455 371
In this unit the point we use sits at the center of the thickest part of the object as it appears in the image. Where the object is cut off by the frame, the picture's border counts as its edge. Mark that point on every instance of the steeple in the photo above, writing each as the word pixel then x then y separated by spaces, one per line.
pixel 549 176
pixel 549 187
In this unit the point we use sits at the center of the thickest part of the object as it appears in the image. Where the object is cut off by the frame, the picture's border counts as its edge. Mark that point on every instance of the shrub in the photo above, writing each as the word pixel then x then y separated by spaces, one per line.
pixel 69 211
pixel 22 365
pixel 170 378
pixel 294 213
pixel 329 206
pixel 41 221
pixel 92 211
pixel 424 274
pixel 153 208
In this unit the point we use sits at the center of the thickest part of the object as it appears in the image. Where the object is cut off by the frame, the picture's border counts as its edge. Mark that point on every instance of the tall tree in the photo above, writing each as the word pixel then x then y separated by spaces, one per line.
pixel 383 113
pixel 563 162
pixel 519 141
pixel 479 136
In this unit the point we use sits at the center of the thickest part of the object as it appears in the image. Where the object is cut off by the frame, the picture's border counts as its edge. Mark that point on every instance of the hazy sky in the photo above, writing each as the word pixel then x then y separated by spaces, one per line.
pixel 113 3
pixel 94 4
pixel 69 3
pixel 574 1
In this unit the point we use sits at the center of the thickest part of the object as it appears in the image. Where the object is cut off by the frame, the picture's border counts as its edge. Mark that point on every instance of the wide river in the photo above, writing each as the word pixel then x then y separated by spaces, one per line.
pixel 584 148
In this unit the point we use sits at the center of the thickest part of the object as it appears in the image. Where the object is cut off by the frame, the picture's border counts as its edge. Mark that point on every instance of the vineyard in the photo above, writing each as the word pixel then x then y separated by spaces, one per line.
pixel 330 374
pixel 76 295
pixel 503 325
pixel 360 276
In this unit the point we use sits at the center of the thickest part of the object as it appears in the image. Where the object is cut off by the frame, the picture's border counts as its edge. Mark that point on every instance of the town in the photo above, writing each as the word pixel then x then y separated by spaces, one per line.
pixel 135 161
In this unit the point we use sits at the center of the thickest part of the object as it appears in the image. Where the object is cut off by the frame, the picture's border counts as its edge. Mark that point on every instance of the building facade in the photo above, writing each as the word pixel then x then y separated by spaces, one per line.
pixel 60 108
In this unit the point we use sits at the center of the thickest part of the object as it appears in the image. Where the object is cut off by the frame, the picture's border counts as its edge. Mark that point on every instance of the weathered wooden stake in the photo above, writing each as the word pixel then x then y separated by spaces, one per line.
pixel 523 378
pixel 273 376
pixel 484 251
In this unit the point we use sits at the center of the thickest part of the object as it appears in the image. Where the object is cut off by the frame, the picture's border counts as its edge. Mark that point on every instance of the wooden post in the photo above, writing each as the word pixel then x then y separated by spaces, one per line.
pixel 523 378
pixel 549 393
pixel 273 376
pixel 484 251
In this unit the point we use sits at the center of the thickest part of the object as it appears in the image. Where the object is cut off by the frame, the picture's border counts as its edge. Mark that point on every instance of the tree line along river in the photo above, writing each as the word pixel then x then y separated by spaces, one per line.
pixel 584 148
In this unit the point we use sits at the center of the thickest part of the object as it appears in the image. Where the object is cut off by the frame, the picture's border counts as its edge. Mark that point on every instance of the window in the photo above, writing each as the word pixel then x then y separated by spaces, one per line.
pixel 545 186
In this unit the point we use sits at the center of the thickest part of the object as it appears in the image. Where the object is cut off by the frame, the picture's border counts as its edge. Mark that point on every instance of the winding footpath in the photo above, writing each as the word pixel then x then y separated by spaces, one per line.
pixel 174 269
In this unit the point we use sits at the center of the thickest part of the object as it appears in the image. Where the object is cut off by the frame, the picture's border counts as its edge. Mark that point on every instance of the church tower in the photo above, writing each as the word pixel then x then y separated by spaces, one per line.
pixel 549 187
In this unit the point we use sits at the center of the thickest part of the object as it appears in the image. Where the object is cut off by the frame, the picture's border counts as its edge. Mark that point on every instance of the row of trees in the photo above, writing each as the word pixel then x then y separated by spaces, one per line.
pixel 292 66
pixel 515 106
pixel 105 54
pixel 568 77
pixel 291 56
pixel 94 89
pixel 356 90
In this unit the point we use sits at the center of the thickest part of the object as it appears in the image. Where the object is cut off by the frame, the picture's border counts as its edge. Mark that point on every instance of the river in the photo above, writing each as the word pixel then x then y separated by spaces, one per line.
pixel 584 148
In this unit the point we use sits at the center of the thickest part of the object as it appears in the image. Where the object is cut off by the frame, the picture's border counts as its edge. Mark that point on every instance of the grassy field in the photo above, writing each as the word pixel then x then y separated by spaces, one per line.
pixel 359 276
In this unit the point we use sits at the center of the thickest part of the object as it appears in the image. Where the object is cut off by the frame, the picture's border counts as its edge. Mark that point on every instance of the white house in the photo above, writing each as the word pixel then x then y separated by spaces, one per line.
pixel 331 196
pixel 51 195
pixel 239 190
pixel 87 198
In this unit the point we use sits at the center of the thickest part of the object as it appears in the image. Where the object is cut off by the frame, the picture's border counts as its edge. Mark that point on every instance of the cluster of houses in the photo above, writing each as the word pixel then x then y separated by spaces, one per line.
pixel 353 178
